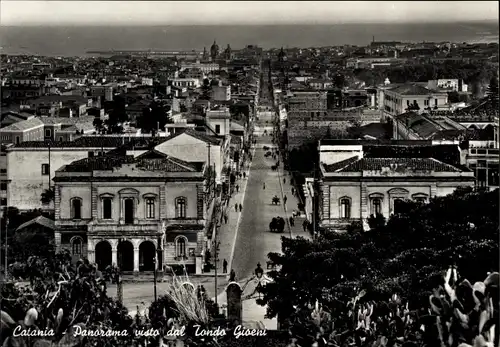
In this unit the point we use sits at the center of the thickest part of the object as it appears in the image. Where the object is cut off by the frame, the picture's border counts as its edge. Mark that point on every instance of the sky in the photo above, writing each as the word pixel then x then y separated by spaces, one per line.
pixel 69 12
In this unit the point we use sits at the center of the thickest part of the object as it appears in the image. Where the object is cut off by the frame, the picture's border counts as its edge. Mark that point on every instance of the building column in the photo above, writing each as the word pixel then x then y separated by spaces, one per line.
pixel 364 207
pixel 114 254
pixel 136 259
pixel 57 237
pixel 90 251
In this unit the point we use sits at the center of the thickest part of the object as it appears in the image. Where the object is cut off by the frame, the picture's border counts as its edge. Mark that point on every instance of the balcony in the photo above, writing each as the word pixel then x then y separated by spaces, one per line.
pixel 129 229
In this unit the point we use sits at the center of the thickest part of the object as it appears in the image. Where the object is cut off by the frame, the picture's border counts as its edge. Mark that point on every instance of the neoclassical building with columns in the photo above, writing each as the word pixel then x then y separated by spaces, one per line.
pixel 134 212
pixel 355 188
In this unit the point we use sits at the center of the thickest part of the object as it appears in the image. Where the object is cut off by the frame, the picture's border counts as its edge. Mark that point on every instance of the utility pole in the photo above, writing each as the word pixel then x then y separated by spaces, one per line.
pixel 154 275
pixel 210 171
pixel 6 215
pixel 216 251
pixel 314 200
pixel 49 164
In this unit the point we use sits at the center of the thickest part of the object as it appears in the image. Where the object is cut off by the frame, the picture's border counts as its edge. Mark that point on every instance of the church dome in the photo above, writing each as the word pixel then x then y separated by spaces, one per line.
pixel 214 47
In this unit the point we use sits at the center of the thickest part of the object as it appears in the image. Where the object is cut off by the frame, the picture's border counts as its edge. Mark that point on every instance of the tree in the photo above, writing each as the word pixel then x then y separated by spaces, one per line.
pixel 205 89
pixel 492 91
pixel 117 115
pixel 153 118
pixel 403 257
pixel 47 196
pixel 98 125
pixel 61 297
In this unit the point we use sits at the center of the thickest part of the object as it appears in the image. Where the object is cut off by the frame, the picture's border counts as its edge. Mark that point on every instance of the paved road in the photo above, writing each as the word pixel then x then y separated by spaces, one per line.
pixel 254 240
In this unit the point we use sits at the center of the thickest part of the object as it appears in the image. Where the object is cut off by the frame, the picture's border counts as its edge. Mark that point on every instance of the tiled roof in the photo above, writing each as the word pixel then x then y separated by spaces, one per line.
pixel 411 89
pixel 469 134
pixel 151 161
pixel 40 220
pixel 157 161
pixel 102 163
pixel 214 140
pixel 376 164
pixel 341 164
pixel 24 125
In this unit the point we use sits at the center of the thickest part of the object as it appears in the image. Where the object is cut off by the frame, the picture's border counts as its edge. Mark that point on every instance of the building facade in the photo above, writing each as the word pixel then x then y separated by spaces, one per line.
pixel 356 188
pixel 402 98
pixel 137 213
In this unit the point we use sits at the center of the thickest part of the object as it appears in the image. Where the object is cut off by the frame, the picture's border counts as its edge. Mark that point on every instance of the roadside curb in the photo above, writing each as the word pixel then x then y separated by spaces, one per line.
pixel 239 217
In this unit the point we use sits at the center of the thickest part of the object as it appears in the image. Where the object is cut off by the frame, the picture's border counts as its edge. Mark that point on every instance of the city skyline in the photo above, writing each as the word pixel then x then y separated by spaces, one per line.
pixel 55 13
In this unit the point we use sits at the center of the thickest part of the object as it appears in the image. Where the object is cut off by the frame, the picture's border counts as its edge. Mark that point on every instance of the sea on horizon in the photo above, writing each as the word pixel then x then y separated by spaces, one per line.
pixel 77 40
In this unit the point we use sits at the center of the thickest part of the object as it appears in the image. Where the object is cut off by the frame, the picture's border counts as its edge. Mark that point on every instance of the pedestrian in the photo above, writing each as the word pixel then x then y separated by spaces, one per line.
pixel 304 225
pixel 244 174
pixel 292 222
pixel 284 199
pixel 225 218
pixel 240 174
pixel 241 207
pixel 264 185
pixel 224 266
pixel 237 188
pixel 284 180
pixel 236 207
pixel 293 191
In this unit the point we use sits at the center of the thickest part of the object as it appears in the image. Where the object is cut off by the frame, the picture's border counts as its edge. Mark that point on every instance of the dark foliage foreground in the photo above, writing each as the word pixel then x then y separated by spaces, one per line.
pixel 403 259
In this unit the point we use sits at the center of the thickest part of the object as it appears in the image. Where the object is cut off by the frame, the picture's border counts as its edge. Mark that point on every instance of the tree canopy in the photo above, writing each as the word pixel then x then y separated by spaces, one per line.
pixel 405 256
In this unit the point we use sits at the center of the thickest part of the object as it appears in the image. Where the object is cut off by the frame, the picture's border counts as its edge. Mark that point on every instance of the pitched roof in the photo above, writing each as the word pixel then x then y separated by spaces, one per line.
pixel 214 140
pixel 376 164
pixel 40 220
pixel 411 89
pixel 24 125
pixel 152 161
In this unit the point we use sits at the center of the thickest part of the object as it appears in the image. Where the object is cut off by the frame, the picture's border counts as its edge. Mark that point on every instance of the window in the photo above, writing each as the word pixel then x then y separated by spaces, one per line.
pixel 398 203
pixel 180 207
pixel 407 102
pixel 3 171
pixel 3 202
pixel 376 206
pixel 217 129
pixel 420 200
pixel 129 211
pixel 191 252
pixel 18 140
pixel 45 169
pixel 91 154
pixel 76 208
pixel 180 247
pixel 61 139
pixel 106 208
pixel 345 208
pixel 150 207
pixel 48 133
pixel 426 102
pixel 3 186
pixel 493 177
pixel 76 246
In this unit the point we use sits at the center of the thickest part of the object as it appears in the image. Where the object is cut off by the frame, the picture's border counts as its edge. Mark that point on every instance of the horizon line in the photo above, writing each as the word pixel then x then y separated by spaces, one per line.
pixel 31 24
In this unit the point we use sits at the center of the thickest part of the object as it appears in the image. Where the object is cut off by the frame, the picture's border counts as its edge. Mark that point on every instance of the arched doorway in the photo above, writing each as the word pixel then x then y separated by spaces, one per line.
pixel 147 253
pixel 103 255
pixel 126 256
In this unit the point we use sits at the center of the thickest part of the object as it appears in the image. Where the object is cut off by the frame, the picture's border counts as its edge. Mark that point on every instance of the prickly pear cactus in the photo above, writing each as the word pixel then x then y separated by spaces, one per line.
pixel 467 315
pixel 22 333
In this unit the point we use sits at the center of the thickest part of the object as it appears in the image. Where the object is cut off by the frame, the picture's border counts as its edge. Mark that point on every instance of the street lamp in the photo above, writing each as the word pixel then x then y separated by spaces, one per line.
pixel 118 275
pixel 154 275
